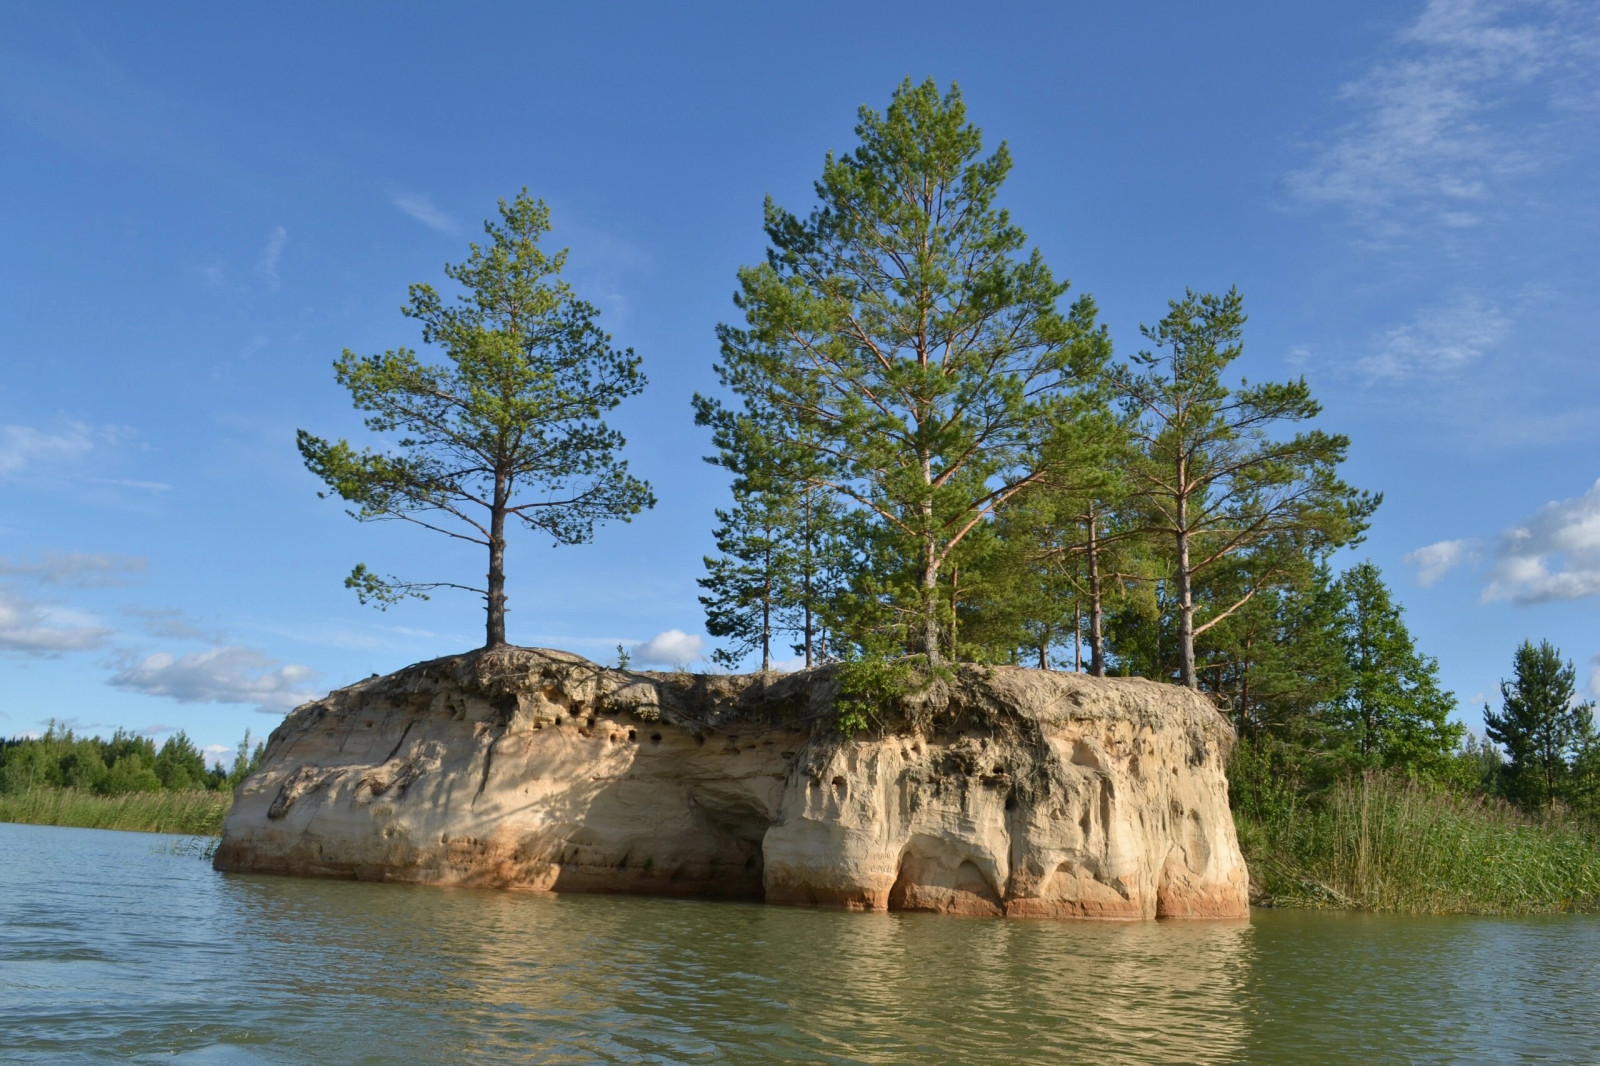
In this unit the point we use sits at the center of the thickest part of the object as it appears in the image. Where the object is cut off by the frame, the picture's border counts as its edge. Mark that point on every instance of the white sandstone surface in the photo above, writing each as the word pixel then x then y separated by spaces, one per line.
pixel 1002 791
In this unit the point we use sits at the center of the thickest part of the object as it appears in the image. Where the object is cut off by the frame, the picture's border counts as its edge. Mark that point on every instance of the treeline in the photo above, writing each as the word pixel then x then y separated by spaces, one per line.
pixel 124 764
pixel 936 454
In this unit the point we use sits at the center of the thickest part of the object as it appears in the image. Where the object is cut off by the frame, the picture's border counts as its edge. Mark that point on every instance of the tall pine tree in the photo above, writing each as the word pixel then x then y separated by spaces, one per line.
pixel 1215 481
pixel 903 331
pixel 1395 713
pixel 1541 724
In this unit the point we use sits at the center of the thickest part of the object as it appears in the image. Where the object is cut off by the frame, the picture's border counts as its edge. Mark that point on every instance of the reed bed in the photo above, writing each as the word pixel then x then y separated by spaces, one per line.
pixel 193 813
pixel 1384 844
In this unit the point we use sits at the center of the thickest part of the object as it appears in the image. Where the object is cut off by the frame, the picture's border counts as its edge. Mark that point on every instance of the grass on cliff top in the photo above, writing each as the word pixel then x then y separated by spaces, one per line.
pixel 1383 844
pixel 193 813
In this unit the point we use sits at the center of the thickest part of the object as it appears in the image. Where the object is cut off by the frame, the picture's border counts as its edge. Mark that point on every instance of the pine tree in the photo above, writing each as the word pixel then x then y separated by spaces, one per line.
pixel 1541 724
pixel 1279 660
pixel 777 565
pixel 900 330
pixel 1215 484
pixel 510 428
pixel 1396 714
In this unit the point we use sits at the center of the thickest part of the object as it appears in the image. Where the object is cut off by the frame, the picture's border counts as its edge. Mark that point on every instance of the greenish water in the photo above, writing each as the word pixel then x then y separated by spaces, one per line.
pixel 113 951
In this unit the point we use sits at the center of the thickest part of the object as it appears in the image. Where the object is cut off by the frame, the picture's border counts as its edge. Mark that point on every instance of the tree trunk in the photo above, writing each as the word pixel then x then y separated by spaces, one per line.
pixel 495 636
pixel 1044 648
pixel 766 605
pixel 955 601
pixel 1077 638
pixel 810 563
pixel 1097 641
pixel 1185 598
pixel 930 579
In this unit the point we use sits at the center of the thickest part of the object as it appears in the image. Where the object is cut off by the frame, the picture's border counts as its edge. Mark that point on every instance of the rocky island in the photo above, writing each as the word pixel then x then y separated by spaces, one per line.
pixel 993 791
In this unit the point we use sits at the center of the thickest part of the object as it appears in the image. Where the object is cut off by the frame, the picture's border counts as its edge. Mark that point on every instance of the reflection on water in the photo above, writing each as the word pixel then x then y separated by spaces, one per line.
pixel 110 951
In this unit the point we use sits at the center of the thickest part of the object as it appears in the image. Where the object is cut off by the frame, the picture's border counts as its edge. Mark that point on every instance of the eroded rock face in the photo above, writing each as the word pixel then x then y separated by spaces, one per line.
pixel 1004 791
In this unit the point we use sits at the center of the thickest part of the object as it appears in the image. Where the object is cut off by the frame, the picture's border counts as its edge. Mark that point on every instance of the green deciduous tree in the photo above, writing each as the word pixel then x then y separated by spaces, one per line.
pixel 1541 724
pixel 510 427
pixel 902 334
pixel 1214 481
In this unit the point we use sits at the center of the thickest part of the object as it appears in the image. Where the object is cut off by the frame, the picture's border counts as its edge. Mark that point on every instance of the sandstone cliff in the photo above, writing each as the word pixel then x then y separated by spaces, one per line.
pixel 1002 791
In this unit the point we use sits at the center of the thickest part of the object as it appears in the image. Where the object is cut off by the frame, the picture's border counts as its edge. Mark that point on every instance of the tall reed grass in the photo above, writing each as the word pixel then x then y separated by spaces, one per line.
pixel 194 813
pixel 1381 843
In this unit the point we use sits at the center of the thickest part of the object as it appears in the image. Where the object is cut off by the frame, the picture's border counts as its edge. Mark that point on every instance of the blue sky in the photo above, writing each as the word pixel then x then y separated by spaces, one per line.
pixel 201 206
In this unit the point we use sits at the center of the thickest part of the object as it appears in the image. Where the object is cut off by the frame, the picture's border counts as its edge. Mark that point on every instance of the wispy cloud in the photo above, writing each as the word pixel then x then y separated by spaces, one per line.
pixel 1433 138
pixel 130 483
pixel 1433 561
pixel 423 209
pixel 1439 341
pixel 79 569
pixel 33 627
pixel 221 675
pixel 24 447
pixel 1553 555
pixel 270 255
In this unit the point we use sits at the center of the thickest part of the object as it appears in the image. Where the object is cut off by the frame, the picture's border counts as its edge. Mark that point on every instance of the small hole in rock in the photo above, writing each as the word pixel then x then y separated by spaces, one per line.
pixel 698 739
pixel 633 734
pixel 655 738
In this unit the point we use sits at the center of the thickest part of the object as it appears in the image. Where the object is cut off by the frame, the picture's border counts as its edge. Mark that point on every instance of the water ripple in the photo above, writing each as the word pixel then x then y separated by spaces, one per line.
pixel 111 951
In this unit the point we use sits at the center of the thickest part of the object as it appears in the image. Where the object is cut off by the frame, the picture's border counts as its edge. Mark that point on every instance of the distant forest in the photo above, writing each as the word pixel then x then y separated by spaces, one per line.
pixel 126 763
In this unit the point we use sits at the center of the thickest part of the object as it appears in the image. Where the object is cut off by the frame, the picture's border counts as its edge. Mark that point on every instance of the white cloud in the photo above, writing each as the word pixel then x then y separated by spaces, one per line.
pixel 1594 676
pixel 79 569
pixel 268 267
pixel 1433 561
pixel 221 675
pixel 23 447
pixel 1554 555
pixel 671 648
pixel 423 209
pixel 1438 341
pixel 1434 139
pixel 34 628
pixel 217 754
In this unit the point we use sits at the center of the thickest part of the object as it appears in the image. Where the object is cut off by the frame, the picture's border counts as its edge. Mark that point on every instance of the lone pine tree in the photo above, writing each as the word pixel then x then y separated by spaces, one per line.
pixel 509 427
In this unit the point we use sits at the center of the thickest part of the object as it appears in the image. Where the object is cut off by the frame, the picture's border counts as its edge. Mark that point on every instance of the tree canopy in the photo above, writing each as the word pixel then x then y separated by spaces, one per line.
pixel 899 333
pixel 510 426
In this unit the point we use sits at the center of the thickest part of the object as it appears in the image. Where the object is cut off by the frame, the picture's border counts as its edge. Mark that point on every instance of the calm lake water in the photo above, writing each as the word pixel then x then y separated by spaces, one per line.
pixel 112 950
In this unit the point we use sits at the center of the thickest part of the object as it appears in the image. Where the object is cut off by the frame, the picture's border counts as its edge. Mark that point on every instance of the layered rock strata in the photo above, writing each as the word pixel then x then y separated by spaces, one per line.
pixel 1000 791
